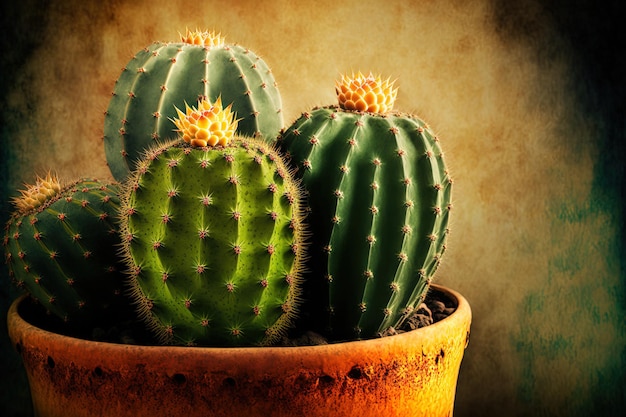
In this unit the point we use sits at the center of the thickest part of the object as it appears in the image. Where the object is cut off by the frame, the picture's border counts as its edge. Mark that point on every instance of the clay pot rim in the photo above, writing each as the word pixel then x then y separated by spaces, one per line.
pixel 462 313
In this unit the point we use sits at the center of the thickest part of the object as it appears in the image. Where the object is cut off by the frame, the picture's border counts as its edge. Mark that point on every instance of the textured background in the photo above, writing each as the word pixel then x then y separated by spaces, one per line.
pixel 527 96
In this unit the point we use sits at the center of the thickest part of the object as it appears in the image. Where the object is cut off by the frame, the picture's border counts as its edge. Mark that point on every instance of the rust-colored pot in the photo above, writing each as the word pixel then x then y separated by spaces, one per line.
pixel 410 374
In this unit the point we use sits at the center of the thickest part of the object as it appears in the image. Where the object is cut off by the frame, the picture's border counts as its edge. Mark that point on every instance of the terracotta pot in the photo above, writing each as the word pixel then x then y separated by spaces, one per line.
pixel 410 374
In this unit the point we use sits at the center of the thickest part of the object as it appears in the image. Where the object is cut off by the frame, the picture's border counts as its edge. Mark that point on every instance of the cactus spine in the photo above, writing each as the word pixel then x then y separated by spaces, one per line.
pixel 379 197
pixel 165 75
pixel 60 245
pixel 213 235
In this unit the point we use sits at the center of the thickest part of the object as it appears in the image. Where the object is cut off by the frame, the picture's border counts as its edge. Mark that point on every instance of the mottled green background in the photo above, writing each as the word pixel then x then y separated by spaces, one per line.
pixel 528 98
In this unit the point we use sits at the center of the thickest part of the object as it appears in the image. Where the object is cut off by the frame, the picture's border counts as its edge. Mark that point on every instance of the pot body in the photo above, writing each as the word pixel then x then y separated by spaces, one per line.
pixel 410 374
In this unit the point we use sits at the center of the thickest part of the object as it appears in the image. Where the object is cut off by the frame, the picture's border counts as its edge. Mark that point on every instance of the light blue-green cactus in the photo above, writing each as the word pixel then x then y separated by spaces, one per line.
pixel 165 75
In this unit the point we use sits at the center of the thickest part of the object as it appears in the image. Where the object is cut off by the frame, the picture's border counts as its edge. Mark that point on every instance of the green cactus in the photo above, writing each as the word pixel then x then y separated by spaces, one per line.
pixel 165 75
pixel 213 238
pixel 379 198
pixel 61 246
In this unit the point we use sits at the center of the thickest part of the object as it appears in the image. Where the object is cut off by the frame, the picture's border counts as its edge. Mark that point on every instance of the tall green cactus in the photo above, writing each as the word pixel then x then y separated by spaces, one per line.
pixel 61 246
pixel 165 75
pixel 213 235
pixel 379 197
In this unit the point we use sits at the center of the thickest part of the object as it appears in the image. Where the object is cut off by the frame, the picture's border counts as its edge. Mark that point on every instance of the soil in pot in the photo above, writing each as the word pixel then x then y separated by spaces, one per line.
pixel 435 308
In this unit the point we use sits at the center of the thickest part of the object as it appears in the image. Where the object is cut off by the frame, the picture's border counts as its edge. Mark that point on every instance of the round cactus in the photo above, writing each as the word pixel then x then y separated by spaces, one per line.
pixel 61 246
pixel 164 75
pixel 213 235
pixel 379 197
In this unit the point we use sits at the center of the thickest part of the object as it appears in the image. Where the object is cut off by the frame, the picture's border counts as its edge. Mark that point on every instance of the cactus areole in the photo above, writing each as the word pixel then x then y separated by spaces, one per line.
pixel 379 198
pixel 213 235
pixel 164 75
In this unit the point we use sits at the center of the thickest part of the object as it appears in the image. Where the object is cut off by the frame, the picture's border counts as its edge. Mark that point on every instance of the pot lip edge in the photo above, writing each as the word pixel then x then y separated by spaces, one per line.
pixel 462 314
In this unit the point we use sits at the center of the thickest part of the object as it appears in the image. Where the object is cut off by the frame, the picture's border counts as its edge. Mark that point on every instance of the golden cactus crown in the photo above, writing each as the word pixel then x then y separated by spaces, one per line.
pixel 37 194
pixel 204 38
pixel 366 93
pixel 207 125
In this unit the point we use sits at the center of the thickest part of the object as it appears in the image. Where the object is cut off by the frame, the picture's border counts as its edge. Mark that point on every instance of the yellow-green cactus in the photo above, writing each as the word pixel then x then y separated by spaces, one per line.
pixel 213 235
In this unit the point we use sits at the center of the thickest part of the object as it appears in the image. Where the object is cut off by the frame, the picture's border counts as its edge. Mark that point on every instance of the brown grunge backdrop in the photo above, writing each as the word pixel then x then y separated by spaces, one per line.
pixel 527 97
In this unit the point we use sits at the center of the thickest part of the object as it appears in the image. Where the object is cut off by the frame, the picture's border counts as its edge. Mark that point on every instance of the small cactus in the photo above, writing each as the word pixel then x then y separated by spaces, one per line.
pixel 213 235
pixel 164 75
pixel 379 197
pixel 61 246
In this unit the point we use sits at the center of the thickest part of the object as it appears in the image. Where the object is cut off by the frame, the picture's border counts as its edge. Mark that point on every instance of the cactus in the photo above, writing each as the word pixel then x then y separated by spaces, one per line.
pixel 213 235
pixel 379 198
pixel 165 75
pixel 61 246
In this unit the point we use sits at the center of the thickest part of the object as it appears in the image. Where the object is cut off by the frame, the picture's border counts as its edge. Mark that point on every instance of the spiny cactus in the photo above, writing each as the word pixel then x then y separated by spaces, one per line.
pixel 379 197
pixel 213 235
pixel 165 75
pixel 60 245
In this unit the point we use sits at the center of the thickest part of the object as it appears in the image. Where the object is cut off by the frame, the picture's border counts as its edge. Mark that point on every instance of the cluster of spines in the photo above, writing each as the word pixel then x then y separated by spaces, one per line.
pixel 366 93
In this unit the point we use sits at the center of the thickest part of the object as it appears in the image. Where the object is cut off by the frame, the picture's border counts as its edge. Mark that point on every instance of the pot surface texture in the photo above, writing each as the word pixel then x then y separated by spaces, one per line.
pixel 409 374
